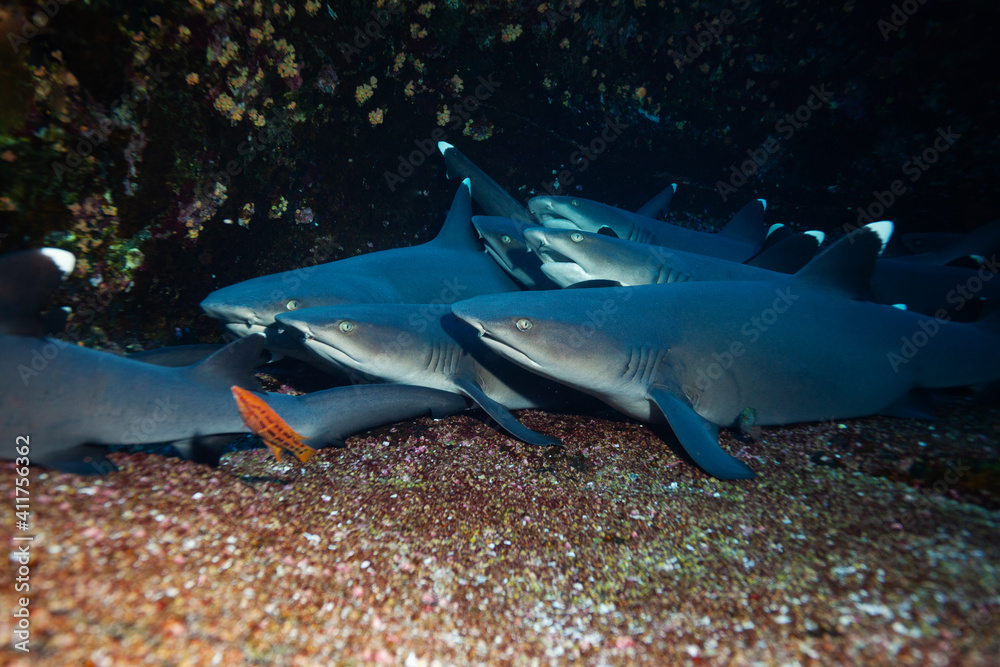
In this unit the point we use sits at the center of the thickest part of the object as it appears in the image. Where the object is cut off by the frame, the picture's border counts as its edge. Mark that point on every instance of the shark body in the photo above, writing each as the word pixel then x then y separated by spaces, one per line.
pixel 700 356
pixel 401 343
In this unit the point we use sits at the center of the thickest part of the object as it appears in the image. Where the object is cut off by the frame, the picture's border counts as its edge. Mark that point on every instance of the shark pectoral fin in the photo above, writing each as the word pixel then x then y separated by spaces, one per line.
pixel 502 416
pixel 699 437
pixel 915 405
pixel 205 449
pixel 81 460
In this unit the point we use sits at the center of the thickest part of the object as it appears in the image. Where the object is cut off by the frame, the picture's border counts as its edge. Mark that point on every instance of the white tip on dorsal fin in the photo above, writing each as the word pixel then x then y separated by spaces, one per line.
pixel 847 265
pixel 819 236
pixel 443 146
pixel 457 231
pixel 900 306
pixel 747 225
pixel 63 259
pixel 775 227
pixel 884 230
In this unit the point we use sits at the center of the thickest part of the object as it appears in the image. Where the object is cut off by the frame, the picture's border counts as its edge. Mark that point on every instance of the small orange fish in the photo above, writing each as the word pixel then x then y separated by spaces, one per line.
pixel 272 429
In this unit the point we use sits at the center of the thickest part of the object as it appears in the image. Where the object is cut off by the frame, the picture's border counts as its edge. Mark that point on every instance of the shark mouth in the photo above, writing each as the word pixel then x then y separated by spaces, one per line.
pixel 499 259
pixel 242 329
pixel 507 351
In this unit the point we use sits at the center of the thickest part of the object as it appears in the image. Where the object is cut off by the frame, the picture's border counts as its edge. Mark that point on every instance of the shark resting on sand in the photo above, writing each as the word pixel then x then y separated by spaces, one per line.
pixel 70 402
pixel 451 267
pixel 699 356
pixel 397 343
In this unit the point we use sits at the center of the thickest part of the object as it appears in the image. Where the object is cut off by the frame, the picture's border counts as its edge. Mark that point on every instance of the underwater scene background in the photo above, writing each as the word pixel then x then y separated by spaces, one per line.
pixel 177 147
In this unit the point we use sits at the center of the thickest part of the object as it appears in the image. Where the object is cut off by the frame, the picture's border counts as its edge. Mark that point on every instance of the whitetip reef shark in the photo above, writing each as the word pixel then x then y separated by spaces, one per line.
pixel 69 402
pixel 446 269
pixel 400 343
pixel 741 239
pixel 700 356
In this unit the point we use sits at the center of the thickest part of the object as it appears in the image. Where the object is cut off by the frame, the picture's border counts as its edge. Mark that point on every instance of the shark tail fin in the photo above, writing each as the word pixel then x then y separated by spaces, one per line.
pixel 28 279
pixel 457 231
pixel 233 364
pixel 659 204
pixel 748 224
pixel 847 265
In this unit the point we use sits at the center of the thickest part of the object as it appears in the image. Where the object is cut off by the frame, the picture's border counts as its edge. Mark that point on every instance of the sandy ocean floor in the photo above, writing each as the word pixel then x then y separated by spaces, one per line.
pixel 870 541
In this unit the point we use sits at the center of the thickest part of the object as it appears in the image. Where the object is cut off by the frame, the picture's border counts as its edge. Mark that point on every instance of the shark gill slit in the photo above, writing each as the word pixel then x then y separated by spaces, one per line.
pixel 444 359
pixel 643 363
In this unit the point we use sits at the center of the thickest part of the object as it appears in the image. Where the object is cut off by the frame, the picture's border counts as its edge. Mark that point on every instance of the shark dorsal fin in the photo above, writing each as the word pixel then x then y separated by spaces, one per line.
pixel 28 279
pixel 847 265
pixel 788 255
pixel 231 365
pixel 748 224
pixel 658 205
pixel 457 231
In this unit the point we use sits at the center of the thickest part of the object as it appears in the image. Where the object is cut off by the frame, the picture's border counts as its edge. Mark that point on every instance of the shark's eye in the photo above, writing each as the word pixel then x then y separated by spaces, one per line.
pixel 574 203
pixel 347 326
pixel 292 305
pixel 576 237
pixel 523 324
pixel 505 239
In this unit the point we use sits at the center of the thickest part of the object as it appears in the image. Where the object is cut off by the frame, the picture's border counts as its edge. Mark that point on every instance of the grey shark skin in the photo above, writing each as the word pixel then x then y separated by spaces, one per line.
pixel 740 240
pixel 504 239
pixel 453 266
pixel 401 343
pixel 703 355
pixel 69 401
